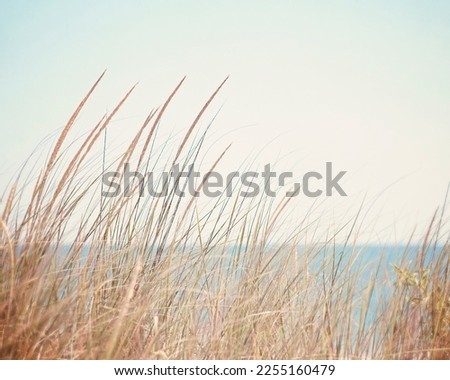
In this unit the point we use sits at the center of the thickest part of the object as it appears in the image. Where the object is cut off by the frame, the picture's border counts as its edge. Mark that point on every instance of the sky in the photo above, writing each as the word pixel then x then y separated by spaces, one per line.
pixel 363 84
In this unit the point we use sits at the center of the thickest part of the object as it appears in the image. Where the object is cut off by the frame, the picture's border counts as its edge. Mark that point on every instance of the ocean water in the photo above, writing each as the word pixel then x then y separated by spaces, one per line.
pixel 370 268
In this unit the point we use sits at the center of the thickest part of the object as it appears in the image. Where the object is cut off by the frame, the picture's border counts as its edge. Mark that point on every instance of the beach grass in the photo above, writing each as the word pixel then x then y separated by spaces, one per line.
pixel 88 277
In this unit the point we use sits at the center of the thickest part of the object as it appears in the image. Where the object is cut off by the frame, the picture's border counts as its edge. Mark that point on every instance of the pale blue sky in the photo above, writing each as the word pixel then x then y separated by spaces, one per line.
pixel 365 84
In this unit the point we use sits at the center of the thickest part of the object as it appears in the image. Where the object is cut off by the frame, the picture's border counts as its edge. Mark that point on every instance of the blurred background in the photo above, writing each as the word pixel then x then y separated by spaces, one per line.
pixel 363 84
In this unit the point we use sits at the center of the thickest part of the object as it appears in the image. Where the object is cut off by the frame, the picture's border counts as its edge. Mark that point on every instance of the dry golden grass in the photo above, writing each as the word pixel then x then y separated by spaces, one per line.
pixel 156 278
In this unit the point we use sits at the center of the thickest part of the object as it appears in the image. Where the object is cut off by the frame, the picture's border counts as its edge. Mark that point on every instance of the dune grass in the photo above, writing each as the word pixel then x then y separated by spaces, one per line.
pixel 162 278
